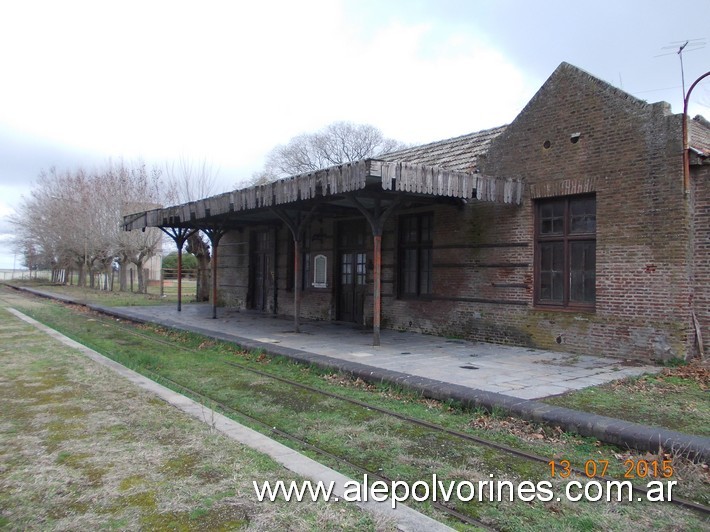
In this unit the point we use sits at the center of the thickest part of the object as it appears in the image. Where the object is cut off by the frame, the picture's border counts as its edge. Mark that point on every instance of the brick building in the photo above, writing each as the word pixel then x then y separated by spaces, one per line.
pixel 571 228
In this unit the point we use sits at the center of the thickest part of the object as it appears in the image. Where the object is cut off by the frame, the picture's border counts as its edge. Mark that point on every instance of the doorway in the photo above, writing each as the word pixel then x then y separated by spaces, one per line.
pixel 352 271
pixel 259 270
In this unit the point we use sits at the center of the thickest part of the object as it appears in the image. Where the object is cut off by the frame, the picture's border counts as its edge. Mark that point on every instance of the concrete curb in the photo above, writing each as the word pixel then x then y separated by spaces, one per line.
pixel 606 429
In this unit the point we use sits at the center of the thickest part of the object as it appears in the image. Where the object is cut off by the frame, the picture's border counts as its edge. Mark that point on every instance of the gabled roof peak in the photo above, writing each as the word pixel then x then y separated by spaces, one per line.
pixel 565 68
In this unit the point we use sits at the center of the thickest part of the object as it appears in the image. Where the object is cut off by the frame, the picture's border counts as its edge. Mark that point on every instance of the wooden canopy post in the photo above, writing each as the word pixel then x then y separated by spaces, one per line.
pixel 179 236
pixel 297 228
pixel 377 219
pixel 214 234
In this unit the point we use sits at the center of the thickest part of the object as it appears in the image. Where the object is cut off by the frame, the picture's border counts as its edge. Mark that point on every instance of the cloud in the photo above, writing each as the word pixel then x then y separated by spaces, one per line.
pixel 438 84
pixel 227 81
pixel 6 228
pixel 10 196
pixel 230 80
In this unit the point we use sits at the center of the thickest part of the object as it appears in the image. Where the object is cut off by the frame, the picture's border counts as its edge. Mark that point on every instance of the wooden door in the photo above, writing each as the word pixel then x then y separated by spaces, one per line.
pixel 352 272
pixel 259 274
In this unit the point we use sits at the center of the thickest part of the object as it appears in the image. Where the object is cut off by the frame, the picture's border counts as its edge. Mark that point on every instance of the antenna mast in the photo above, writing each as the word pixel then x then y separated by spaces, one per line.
pixel 682 71
pixel 688 45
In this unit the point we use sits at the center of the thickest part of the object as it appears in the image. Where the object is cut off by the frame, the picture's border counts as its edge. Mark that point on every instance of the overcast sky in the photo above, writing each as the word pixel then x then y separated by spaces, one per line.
pixel 227 81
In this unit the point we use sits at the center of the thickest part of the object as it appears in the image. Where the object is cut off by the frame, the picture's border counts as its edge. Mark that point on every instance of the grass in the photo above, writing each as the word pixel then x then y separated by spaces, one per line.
pixel 81 449
pixel 683 406
pixel 677 398
pixel 381 443
pixel 115 298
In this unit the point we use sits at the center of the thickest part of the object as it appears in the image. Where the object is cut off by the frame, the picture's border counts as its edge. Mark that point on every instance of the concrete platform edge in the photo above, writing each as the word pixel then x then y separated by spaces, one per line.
pixel 606 429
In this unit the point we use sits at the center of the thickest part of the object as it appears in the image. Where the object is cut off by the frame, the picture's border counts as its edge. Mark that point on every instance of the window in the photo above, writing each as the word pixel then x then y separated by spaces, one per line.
pixel 305 267
pixel 415 255
pixel 320 269
pixel 353 269
pixel 290 251
pixel 565 252
pixel 306 258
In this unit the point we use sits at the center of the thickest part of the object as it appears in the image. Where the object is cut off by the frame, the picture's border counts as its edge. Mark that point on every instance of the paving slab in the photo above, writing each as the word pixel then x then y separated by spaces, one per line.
pixel 487 367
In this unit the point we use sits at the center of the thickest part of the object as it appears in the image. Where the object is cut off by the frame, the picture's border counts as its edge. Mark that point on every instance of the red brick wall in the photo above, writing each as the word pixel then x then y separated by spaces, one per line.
pixel 629 154
pixel 316 303
pixel 233 268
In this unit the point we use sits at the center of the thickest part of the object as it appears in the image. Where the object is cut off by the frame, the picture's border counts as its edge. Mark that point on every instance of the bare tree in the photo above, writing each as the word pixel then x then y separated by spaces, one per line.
pixel 186 181
pixel 53 221
pixel 134 188
pixel 71 220
pixel 337 143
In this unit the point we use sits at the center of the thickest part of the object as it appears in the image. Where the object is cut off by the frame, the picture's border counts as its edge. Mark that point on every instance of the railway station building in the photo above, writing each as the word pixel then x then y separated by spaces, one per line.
pixel 577 227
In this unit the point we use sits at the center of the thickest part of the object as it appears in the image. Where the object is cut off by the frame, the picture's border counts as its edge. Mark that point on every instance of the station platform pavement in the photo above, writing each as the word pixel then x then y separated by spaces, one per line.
pixel 475 374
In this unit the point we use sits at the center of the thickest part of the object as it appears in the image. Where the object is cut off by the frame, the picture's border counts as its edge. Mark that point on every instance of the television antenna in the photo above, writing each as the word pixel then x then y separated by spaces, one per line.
pixel 688 45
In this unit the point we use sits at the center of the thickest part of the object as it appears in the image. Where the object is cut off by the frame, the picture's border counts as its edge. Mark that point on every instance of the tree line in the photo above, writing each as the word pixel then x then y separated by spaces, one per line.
pixel 71 221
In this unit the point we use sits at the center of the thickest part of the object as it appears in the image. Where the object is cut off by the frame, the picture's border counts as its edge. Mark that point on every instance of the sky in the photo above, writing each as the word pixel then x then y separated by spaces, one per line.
pixel 226 81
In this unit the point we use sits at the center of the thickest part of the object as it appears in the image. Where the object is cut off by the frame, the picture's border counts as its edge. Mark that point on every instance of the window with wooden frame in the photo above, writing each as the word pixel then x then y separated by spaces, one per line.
pixel 565 252
pixel 320 271
pixel 290 274
pixel 415 255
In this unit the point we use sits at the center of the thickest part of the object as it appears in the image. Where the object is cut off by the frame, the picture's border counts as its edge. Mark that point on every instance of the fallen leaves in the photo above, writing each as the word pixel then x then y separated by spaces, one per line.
pixel 696 371
pixel 520 428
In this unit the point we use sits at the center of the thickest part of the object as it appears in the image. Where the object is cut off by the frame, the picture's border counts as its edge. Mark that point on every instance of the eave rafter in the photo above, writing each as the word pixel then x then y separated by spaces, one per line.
pixel 368 178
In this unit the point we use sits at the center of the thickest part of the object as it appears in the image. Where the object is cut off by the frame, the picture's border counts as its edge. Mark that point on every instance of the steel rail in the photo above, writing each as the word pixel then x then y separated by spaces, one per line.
pixel 678 501
pixel 681 502
pixel 308 445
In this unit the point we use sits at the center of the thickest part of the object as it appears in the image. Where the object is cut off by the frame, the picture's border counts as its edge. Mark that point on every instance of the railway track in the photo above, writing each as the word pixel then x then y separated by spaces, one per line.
pixel 314 448
pixel 691 505
pixel 231 409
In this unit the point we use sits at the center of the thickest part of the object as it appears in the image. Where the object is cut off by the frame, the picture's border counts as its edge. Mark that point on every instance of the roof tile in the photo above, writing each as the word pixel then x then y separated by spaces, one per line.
pixel 458 153
pixel 699 138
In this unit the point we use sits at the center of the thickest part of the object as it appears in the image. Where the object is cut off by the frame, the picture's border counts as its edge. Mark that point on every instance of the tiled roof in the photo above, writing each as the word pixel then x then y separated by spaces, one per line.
pixel 459 153
pixel 699 138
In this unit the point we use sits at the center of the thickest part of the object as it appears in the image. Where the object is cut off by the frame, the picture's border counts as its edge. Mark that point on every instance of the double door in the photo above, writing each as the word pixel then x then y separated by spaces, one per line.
pixel 352 271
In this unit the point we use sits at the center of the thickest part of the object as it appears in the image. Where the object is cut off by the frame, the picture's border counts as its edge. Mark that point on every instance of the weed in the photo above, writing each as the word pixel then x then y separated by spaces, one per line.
pixel 118 458
pixel 675 399
pixel 675 362
pixel 208 416
pixel 366 437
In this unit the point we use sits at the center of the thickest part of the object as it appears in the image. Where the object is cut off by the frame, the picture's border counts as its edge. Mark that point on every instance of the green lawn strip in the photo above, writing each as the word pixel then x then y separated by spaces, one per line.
pixel 545 441
pixel 683 403
pixel 373 441
pixel 662 399
pixel 81 449
pixel 113 298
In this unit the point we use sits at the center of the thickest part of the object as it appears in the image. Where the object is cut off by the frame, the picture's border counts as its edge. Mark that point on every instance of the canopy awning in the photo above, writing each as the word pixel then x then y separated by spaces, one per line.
pixel 333 185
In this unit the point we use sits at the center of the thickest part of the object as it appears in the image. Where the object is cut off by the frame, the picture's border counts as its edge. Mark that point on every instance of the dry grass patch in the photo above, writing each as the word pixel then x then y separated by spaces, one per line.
pixel 368 438
pixel 83 449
